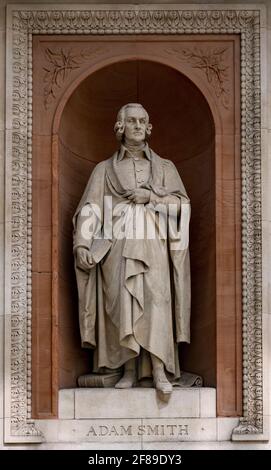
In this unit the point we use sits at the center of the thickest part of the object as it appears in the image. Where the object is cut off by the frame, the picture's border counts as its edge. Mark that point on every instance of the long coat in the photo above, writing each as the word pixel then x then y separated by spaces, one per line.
pixel 136 300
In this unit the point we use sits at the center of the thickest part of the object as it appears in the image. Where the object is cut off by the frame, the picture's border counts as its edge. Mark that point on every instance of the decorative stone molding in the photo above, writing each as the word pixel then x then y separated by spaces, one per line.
pixel 60 64
pixel 22 23
pixel 212 64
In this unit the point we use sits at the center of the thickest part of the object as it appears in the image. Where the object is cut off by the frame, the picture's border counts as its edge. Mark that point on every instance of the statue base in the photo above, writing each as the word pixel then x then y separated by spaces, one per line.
pixel 109 380
pixel 106 403
pixel 99 380
pixel 135 416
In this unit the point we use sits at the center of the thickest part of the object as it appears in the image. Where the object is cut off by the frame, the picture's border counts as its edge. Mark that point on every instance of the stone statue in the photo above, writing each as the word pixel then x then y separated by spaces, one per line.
pixel 133 271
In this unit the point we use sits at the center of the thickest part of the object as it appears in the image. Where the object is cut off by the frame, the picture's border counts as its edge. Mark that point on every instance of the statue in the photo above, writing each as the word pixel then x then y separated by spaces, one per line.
pixel 133 282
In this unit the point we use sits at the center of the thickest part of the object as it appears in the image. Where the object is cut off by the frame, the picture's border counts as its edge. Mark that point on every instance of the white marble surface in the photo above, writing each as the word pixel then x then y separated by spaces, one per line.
pixel 137 403
pixel 225 427
pixel 207 403
pixel 210 433
pixel 129 430
pixel 66 404
pixel 100 430
pixel 177 430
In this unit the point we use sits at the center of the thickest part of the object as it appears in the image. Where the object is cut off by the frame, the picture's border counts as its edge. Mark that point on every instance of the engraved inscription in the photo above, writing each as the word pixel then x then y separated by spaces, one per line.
pixel 166 430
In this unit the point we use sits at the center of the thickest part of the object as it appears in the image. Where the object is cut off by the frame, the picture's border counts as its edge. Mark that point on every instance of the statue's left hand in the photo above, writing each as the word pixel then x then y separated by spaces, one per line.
pixel 83 258
pixel 139 195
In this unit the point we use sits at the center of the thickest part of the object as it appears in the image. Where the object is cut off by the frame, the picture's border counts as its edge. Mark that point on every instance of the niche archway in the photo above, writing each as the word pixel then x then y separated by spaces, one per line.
pixel 183 131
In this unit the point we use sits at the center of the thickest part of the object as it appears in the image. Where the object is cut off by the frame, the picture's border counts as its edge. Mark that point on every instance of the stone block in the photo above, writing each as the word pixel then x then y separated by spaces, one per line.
pixel 49 429
pixel 225 427
pixel 66 404
pixel 178 429
pixel 207 402
pixel 135 403
pixel 100 430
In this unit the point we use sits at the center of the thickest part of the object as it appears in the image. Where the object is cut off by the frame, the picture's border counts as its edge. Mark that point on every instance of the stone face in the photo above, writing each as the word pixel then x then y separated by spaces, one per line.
pixel 225 427
pixel 135 415
pixel 176 430
pixel 66 404
pixel 101 431
pixel 138 403
pixel 207 402
pixel 225 435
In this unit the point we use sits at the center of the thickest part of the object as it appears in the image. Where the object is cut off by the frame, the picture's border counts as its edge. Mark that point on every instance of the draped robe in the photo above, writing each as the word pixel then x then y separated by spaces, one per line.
pixel 136 300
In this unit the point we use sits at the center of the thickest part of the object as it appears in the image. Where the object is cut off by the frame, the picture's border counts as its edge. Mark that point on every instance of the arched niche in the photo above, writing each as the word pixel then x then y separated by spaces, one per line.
pixel 192 125
pixel 184 132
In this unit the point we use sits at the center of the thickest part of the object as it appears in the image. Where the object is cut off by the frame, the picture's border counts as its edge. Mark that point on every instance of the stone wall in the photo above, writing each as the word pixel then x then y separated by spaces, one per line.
pixel 51 427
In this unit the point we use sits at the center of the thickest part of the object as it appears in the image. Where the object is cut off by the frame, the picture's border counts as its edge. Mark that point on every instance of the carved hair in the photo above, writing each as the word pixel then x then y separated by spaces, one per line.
pixel 119 127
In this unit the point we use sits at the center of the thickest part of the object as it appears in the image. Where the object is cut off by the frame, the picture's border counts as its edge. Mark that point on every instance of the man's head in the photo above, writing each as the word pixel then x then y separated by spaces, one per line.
pixel 132 124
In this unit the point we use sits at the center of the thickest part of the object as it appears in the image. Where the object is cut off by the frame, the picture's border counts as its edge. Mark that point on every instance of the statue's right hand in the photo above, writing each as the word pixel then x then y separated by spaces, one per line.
pixel 83 258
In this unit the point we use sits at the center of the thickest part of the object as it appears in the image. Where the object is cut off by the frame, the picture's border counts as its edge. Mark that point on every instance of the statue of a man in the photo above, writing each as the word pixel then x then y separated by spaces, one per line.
pixel 133 276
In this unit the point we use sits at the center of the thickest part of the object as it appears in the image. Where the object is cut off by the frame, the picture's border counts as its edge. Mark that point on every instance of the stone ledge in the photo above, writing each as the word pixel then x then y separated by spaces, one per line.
pixel 133 431
pixel 138 403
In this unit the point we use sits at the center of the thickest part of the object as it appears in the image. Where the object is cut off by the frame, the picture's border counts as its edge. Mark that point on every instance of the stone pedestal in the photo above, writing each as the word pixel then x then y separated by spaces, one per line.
pixel 136 415
pixel 139 403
